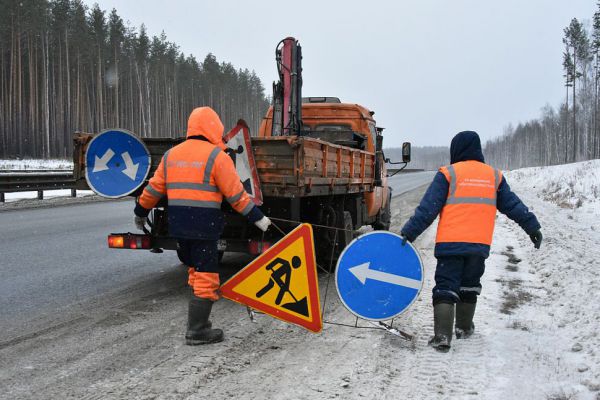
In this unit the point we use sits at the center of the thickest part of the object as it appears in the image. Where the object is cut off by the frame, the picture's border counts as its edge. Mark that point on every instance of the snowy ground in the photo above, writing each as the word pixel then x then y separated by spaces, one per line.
pixel 35 164
pixel 536 328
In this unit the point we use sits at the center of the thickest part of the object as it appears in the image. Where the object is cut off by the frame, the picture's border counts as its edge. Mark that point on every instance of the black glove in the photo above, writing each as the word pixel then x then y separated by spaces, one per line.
pixel 536 238
pixel 404 238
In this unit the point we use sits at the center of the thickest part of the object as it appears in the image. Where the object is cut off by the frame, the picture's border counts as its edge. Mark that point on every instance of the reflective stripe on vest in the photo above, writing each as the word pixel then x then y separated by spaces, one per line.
pixel 452 199
pixel 165 164
pixel 195 203
pixel 210 163
pixel 192 186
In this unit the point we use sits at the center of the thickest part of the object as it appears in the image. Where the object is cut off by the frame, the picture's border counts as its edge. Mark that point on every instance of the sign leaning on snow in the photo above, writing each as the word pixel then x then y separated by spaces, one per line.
pixel 117 163
pixel 240 150
pixel 377 278
pixel 282 282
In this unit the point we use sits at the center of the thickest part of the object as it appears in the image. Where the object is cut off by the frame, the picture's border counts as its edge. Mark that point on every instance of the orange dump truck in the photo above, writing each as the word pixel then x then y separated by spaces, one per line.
pixel 318 161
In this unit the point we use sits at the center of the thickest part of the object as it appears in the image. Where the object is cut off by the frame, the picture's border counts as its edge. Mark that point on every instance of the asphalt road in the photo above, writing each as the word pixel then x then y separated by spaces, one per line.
pixel 54 259
pixel 402 183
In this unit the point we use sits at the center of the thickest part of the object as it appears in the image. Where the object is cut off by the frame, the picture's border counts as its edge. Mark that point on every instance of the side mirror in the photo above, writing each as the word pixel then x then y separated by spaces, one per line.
pixel 406 152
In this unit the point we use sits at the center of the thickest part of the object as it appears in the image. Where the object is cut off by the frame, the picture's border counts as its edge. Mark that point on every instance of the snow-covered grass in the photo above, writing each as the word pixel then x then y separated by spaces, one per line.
pixel 568 186
pixel 551 348
pixel 35 164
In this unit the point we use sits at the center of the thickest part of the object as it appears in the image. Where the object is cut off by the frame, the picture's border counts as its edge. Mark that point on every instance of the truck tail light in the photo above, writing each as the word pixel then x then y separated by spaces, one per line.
pixel 256 247
pixel 129 241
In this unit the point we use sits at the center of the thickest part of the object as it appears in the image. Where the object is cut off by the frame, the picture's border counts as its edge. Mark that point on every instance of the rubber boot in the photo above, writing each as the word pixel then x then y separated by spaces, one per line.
pixel 464 320
pixel 199 329
pixel 443 321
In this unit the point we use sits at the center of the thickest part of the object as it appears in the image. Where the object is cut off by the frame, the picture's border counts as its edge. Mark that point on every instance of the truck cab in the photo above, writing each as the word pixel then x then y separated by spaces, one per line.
pixel 345 124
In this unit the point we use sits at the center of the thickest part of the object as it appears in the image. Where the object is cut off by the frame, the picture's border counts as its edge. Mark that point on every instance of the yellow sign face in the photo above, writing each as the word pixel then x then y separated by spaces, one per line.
pixel 282 282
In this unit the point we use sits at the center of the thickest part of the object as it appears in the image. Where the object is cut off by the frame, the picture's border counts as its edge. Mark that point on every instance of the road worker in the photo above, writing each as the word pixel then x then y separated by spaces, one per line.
pixel 466 194
pixel 195 176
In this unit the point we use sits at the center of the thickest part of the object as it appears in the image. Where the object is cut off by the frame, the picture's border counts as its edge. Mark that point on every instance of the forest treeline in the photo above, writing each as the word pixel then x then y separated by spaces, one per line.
pixel 65 67
pixel 571 132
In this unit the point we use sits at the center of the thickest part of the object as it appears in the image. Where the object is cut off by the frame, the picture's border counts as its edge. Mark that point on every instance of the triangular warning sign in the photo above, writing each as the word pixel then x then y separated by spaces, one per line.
pixel 282 282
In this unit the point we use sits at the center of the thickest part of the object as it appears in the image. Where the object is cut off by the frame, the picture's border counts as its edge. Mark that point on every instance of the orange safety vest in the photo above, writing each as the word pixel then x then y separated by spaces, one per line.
pixel 470 210
pixel 197 173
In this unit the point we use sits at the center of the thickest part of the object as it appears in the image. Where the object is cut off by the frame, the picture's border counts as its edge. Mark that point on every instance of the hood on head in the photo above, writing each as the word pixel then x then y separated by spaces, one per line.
pixel 465 146
pixel 205 121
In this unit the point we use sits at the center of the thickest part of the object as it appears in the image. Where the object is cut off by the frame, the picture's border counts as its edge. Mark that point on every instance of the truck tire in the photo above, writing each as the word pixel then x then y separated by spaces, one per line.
pixel 344 237
pixel 331 242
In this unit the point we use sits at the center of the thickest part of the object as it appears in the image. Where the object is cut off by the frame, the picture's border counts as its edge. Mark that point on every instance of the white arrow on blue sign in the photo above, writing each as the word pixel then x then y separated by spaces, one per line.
pixel 377 278
pixel 117 163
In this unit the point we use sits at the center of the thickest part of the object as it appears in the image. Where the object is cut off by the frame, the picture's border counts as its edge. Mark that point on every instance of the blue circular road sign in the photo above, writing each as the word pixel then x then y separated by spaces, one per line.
pixel 117 163
pixel 377 278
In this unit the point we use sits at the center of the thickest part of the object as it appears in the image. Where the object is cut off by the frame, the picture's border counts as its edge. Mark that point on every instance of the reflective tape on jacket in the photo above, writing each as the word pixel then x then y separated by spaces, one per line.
pixel 469 213
pixel 153 191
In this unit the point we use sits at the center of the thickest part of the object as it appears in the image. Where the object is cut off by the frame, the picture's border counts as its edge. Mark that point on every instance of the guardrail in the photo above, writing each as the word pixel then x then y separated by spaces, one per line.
pixel 36 181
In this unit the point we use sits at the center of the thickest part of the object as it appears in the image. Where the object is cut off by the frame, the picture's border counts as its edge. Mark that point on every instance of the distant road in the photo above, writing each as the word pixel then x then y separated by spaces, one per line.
pixel 402 183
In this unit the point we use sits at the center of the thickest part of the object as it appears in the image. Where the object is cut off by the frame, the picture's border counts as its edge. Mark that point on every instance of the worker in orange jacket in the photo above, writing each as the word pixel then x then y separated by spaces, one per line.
pixel 195 176
pixel 466 195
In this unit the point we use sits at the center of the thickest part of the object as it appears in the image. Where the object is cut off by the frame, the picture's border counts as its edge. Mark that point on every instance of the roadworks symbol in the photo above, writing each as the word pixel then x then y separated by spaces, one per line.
pixel 282 282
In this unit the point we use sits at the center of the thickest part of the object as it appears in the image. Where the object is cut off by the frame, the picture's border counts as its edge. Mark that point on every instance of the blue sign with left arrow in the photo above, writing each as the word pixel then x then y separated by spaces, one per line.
pixel 377 278
pixel 117 163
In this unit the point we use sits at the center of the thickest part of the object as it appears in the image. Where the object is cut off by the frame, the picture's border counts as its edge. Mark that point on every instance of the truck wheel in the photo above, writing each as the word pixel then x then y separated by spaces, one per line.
pixel 345 236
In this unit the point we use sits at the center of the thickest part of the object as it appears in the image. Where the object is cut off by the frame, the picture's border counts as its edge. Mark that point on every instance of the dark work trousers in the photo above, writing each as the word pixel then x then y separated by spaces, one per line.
pixel 202 255
pixel 457 278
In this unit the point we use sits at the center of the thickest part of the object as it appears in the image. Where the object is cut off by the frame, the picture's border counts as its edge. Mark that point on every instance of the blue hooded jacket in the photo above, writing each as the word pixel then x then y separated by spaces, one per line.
pixel 465 146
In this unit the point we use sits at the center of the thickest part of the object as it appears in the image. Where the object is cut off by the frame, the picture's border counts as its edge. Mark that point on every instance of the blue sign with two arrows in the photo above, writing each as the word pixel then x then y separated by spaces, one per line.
pixel 377 278
pixel 117 163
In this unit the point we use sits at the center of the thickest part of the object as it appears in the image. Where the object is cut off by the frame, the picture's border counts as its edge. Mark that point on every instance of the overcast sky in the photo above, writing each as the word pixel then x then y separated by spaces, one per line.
pixel 427 68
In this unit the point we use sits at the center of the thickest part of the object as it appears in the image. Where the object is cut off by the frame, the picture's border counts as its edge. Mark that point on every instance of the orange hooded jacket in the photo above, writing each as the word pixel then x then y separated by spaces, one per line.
pixel 195 176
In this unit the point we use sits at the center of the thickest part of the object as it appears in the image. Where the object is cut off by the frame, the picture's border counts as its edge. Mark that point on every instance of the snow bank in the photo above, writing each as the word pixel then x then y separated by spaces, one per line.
pixel 35 164
pixel 568 186
pixel 552 351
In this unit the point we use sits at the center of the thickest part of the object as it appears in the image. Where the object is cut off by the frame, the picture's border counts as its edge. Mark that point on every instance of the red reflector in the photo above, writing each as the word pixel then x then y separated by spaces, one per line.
pixel 257 247
pixel 129 241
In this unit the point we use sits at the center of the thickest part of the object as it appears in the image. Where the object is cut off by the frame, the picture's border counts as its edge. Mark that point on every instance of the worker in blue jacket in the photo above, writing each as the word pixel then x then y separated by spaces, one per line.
pixel 465 194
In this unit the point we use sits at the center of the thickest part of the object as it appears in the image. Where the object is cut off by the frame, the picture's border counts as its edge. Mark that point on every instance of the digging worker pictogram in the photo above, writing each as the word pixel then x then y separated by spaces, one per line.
pixel 466 195
pixel 281 276
pixel 195 176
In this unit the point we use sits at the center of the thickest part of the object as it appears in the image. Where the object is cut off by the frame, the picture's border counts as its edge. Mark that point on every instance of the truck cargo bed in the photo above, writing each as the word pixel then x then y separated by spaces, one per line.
pixel 288 166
